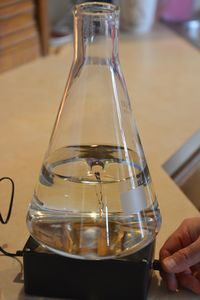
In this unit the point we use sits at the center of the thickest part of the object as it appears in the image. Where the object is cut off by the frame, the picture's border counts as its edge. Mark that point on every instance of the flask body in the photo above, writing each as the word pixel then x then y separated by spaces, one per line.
pixel 94 198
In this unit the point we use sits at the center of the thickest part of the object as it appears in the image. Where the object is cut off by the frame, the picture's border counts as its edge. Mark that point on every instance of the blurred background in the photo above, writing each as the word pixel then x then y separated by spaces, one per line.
pixel 31 28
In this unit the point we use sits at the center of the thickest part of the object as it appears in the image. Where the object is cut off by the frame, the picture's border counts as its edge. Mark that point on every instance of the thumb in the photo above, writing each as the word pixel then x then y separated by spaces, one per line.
pixel 183 258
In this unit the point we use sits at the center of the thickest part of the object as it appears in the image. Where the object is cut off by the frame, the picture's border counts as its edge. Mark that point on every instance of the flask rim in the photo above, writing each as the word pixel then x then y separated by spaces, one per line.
pixel 96 9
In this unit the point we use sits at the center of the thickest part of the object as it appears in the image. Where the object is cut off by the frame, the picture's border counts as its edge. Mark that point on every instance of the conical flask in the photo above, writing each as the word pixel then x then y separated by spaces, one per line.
pixel 94 197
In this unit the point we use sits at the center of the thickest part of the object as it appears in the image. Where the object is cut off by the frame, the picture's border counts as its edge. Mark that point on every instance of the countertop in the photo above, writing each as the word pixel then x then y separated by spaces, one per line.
pixel 162 75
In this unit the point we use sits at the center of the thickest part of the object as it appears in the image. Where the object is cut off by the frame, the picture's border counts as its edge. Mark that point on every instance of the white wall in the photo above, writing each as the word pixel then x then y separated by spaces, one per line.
pixel 58 9
pixel 62 8
pixel 197 5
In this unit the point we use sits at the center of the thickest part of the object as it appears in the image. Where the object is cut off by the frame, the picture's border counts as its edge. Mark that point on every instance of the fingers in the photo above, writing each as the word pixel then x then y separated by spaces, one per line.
pixel 196 271
pixel 181 238
pixel 187 233
pixel 197 275
pixel 171 281
pixel 190 282
pixel 187 280
pixel 180 257
pixel 183 258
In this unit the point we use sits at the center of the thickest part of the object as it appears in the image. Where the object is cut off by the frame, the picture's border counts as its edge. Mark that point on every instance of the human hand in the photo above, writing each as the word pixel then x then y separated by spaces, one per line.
pixel 180 257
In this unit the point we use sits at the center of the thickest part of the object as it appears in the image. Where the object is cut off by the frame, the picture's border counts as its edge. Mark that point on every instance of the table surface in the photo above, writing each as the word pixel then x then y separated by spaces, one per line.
pixel 162 76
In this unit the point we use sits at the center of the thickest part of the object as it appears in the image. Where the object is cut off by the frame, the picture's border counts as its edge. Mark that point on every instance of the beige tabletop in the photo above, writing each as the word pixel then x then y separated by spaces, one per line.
pixel 162 75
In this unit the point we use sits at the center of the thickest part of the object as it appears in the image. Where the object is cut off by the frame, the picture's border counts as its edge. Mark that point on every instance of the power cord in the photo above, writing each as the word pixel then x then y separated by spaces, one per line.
pixel 7 218
pixel 11 200
pixel 17 253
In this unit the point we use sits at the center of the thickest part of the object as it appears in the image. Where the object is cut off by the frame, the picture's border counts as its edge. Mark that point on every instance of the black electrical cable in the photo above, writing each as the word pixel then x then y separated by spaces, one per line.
pixel 5 221
pixel 17 253
pixel 11 200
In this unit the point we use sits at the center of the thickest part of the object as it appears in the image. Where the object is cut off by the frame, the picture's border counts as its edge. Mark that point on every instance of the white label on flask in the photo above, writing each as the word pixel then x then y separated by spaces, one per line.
pixel 134 200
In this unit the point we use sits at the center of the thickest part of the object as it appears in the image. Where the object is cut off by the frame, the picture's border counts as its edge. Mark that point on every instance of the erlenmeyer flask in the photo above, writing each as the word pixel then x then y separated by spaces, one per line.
pixel 94 197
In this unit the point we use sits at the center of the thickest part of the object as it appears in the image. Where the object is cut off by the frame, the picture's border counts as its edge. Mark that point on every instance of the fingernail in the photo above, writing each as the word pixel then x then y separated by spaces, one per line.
pixel 169 263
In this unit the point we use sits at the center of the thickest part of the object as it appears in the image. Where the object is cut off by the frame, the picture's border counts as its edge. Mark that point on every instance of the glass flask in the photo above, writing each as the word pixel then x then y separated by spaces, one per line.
pixel 94 197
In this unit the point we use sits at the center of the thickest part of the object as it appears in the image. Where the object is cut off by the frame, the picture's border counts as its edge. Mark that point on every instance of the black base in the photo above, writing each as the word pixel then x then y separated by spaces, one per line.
pixel 52 275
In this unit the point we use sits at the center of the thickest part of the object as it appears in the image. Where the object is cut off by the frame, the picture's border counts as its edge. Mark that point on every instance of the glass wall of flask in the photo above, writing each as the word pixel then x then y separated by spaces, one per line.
pixel 94 198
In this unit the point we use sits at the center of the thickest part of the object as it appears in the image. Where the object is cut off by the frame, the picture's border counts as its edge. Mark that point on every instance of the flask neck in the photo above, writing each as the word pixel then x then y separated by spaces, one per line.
pixel 96 32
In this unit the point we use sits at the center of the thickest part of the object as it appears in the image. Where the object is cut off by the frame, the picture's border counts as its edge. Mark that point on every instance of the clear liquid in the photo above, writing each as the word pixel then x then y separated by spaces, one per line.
pixel 76 210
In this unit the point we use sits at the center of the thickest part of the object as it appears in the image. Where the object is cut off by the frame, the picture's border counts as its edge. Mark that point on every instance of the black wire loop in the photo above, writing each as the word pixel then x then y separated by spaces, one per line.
pixel 2 220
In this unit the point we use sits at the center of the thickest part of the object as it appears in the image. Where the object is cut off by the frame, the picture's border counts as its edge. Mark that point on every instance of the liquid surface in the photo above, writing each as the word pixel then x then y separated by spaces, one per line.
pixel 80 207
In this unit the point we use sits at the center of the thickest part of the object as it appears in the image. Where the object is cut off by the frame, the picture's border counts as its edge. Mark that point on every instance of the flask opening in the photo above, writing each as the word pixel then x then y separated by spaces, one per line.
pixel 96 9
